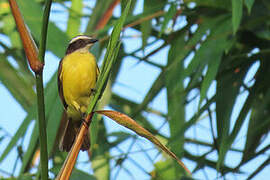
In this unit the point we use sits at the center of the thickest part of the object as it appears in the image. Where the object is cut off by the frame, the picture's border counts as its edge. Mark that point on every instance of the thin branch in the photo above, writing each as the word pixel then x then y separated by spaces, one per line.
pixel 151 16
pixel 107 15
pixel 261 167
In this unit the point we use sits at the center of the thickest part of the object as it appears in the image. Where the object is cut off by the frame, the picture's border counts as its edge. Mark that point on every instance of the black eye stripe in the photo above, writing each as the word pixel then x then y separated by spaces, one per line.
pixel 80 43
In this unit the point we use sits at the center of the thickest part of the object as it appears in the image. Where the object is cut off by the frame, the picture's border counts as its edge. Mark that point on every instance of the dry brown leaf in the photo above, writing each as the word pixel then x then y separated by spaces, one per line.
pixel 129 123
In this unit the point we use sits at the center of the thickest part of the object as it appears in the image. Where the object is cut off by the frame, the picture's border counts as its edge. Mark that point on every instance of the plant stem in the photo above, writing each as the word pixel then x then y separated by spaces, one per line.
pixel 43 37
pixel 40 95
pixel 42 127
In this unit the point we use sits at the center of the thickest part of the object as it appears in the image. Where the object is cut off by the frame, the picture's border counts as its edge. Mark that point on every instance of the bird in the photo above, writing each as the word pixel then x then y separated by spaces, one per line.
pixel 77 77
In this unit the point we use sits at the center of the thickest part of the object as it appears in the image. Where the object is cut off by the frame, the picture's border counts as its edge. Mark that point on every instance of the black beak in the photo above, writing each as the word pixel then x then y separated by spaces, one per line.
pixel 92 41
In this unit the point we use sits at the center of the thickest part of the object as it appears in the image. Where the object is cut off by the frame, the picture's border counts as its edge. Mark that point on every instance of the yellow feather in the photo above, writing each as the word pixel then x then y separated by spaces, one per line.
pixel 78 76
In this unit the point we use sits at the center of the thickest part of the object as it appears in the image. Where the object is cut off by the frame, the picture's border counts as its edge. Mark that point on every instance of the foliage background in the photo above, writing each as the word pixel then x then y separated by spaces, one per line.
pixel 194 73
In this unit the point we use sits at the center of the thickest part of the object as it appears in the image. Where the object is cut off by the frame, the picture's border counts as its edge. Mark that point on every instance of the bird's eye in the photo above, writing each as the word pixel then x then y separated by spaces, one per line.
pixel 80 43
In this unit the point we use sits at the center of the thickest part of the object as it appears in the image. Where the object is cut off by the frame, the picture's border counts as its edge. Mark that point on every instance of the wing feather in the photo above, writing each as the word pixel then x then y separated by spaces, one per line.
pixel 60 84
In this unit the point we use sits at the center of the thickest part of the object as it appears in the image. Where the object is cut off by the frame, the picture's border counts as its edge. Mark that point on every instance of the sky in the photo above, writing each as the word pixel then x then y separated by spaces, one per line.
pixel 133 82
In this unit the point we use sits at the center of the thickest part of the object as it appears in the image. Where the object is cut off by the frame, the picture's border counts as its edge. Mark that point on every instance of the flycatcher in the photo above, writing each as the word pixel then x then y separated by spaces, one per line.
pixel 77 76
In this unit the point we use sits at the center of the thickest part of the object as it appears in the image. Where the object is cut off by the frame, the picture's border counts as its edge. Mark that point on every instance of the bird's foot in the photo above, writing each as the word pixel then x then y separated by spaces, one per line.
pixel 93 91
pixel 85 123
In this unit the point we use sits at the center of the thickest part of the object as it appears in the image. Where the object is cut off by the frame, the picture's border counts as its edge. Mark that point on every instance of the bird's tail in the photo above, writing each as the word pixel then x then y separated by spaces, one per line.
pixel 70 132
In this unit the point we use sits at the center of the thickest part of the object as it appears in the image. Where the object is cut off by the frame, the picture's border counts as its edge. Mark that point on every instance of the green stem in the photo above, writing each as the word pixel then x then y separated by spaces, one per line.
pixel 40 95
pixel 43 37
pixel 42 127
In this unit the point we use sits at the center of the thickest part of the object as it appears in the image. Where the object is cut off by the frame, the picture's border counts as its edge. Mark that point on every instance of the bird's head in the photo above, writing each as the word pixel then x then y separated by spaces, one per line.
pixel 80 43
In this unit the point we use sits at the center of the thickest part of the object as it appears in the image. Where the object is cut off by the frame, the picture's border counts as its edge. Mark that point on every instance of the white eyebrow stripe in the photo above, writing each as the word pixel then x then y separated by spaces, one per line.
pixel 79 37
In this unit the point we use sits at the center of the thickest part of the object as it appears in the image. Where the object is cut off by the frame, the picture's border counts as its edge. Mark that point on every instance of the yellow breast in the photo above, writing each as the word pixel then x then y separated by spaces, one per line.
pixel 78 75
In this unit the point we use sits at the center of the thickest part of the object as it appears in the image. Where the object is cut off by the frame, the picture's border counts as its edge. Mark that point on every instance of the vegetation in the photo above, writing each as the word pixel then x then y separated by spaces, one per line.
pixel 213 85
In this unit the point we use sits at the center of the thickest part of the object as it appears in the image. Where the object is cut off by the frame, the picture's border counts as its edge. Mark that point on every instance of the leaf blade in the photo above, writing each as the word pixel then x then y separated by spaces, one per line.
pixel 237 11
pixel 129 123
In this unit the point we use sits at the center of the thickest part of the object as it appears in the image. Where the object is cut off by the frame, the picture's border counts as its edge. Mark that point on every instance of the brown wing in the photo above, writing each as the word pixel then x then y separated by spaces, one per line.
pixel 60 85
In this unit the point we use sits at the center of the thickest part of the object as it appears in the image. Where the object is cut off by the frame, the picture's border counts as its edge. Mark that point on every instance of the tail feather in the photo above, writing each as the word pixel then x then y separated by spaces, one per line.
pixel 69 135
pixel 86 141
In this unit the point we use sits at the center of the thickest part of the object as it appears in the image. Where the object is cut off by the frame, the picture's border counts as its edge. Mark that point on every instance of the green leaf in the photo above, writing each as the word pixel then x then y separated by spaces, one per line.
pixel 213 65
pixel 167 17
pixel 101 166
pixel 175 96
pixel 227 91
pixel 257 127
pixel 211 50
pixel 94 127
pixel 176 104
pixel 54 119
pixel 237 10
pixel 209 77
pixel 53 112
pixel 78 174
pixel 132 6
pixel 146 31
pixel 8 28
pixel 19 87
pixel 258 88
pixel 100 159
pixel 19 133
pixel 211 3
pixel 146 26
pixel 166 170
pixel 26 176
pixel 24 94
pixel 74 19
pixel 29 154
pixel 249 4
pixel 210 24
pixel 109 59
pixel 229 139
